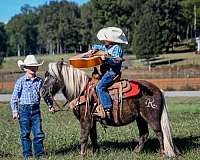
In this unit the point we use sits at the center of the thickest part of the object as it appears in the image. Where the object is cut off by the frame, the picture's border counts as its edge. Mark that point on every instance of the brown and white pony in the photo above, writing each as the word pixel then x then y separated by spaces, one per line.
pixel 148 107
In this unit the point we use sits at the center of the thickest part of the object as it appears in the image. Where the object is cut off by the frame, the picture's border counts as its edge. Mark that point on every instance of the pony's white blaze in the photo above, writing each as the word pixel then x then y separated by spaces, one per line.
pixel 45 79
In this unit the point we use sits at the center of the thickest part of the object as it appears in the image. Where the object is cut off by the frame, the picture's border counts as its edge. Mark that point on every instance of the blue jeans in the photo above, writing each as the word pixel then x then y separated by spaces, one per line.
pixel 101 89
pixel 30 120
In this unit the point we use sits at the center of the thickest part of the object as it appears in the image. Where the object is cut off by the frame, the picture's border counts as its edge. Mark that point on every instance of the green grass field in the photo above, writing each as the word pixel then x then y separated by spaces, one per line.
pixel 62 135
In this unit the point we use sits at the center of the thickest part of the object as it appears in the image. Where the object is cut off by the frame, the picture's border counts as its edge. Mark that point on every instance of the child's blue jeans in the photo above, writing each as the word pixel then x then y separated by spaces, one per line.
pixel 101 89
pixel 30 120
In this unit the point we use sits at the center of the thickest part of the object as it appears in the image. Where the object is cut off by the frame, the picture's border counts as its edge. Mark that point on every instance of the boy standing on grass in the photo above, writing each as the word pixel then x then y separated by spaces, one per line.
pixel 25 104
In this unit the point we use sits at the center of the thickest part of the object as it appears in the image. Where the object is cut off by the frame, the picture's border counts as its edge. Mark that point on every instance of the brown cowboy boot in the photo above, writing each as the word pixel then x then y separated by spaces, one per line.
pixel 100 112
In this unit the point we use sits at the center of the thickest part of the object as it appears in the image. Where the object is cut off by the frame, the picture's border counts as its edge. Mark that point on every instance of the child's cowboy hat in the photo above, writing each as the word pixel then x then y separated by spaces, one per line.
pixel 112 34
pixel 30 60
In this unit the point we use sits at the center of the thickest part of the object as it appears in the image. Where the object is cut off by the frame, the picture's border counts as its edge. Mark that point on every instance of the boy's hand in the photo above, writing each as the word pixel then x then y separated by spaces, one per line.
pixel 15 115
pixel 104 56
pixel 51 109
pixel 90 53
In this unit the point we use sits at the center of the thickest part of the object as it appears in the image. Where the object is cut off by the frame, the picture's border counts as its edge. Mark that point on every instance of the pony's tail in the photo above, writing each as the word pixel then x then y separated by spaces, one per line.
pixel 170 149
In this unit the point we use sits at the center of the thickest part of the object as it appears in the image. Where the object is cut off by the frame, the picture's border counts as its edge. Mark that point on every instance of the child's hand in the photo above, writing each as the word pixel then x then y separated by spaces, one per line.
pixel 15 115
pixel 51 109
pixel 104 56
pixel 90 53
pixel 118 59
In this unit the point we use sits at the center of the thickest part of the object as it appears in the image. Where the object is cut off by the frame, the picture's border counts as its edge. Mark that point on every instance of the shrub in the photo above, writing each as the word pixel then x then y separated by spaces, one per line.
pixel 1 58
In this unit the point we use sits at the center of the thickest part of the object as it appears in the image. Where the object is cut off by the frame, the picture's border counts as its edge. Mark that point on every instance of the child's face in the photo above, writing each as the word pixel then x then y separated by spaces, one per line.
pixel 107 42
pixel 31 70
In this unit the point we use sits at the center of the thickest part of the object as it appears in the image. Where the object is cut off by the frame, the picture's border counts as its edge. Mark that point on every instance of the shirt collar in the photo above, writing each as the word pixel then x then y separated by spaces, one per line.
pixel 27 78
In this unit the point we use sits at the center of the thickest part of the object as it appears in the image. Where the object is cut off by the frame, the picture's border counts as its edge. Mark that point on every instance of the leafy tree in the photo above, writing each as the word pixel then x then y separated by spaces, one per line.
pixel 168 14
pixel 16 40
pixel 188 17
pixel 22 32
pixel 59 26
pixel 3 38
pixel 86 26
pixel 147 38
pixel 123 14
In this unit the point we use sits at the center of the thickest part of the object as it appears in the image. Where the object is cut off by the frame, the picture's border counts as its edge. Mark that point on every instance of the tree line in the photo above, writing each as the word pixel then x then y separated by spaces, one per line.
pixel 152 26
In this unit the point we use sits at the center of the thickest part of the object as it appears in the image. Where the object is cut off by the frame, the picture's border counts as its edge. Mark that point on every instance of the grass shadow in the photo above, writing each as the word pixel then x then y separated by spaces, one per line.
pixel 156 59
pixel 108 145
pixel 180 51
pixel 7 155
pixel 151 146
pixel 187 143
pixel 66 149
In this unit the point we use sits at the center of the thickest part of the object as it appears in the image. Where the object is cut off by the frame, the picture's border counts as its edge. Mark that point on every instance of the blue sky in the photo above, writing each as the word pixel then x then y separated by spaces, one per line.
pixel 9 8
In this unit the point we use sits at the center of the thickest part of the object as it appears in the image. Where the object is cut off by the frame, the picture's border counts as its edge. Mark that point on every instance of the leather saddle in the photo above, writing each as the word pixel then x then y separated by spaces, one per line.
pixel 124 88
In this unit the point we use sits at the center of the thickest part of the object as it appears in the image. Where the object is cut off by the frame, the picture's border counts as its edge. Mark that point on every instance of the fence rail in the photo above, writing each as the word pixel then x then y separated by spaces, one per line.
pixel 187 83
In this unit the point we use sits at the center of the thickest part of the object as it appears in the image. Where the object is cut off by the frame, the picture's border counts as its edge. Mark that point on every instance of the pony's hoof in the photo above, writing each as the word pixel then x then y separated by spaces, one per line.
pixel 82 154
pixel 138 149
pixel 95 150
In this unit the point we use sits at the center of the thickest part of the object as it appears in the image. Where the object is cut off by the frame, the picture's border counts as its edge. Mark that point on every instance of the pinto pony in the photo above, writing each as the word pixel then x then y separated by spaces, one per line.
pixel 148 107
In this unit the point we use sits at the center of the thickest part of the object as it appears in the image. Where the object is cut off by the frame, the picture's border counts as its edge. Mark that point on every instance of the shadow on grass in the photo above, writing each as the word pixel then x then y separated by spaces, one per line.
pixel 7 155
pixel 151 146
pixel 155 59
pixel 187 143
pixel 181 51
pixel 66 150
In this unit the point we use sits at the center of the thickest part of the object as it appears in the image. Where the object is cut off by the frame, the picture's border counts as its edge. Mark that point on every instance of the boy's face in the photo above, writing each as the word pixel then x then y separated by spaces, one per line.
pixel 31 69
pixel 107 42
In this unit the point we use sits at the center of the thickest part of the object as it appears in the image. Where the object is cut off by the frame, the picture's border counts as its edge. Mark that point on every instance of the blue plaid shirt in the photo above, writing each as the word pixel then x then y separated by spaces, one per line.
pixel 113 50
pixel 26 91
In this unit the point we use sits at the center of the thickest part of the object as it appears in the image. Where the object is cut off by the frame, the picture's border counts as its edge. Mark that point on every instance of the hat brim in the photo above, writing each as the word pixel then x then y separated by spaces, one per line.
pixel 21 65
pixel 102 35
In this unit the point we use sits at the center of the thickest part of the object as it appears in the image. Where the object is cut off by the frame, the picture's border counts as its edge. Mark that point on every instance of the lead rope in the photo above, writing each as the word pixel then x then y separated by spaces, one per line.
pixel 120 99
pixel 60 108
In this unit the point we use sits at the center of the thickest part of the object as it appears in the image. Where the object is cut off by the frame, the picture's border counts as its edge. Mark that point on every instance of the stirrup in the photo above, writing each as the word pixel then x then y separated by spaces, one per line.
pixel 107 113
pixel 99 111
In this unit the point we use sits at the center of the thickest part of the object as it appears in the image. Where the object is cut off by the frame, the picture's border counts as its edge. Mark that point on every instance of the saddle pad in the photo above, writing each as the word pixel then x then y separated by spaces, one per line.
pixel 135 89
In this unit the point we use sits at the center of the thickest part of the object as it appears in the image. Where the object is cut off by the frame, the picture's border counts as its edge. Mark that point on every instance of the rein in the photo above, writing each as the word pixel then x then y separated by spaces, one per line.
pixel 52 97
pixel 60 108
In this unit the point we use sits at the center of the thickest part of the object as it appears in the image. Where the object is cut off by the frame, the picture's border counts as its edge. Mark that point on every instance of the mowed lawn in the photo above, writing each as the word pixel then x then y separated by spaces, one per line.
pixel 62 135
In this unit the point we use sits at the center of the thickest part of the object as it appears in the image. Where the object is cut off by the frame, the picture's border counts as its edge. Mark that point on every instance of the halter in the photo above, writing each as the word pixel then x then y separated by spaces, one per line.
pixel 60 82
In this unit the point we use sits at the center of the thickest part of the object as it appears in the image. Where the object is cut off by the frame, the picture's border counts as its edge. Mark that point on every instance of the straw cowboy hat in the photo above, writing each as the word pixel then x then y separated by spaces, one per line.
pixel 112 34
pixel 30 60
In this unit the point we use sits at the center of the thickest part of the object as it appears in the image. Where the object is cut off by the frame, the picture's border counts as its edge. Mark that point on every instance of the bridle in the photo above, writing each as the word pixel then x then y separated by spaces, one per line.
pixel 51 96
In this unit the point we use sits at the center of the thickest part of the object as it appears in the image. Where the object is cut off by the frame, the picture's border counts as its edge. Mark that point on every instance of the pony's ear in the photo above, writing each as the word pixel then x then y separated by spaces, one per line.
pixel 60 64
pixel 46 74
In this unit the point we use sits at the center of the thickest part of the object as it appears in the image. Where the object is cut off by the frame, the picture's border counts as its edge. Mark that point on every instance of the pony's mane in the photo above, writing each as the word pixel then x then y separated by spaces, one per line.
pixel 75 80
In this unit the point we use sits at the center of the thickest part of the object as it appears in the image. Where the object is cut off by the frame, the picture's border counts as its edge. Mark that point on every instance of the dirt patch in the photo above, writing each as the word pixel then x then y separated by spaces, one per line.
pixel 165 84
pixel 177 83
pixel 7 85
